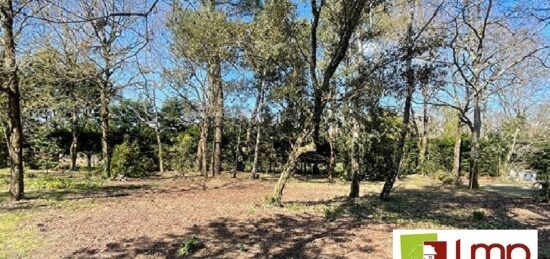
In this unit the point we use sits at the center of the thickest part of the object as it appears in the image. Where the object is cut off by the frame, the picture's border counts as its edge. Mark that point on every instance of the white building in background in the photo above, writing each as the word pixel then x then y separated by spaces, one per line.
pixel 524 175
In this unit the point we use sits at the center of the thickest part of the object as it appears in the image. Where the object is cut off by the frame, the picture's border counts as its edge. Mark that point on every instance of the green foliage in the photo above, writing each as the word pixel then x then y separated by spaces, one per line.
pixel 478 215
pixel 382 132
pixel 332 213
pixel 56 183
pixel 445 177
pixel 182 153
pixel 189 246
pixel 128 160
pixel 540 161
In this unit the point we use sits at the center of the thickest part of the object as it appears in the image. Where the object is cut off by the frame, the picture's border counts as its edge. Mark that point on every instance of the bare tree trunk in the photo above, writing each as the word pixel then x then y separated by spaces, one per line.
pixel 332 161
pixel 89 160
pixel 256 151
pixel 354 190
pixel 238 153
pixel 15 133
pixel 202 150
pixel 73 150
pixel 254 115
pixel 160 152
pixel 104 114
pixel 218 119
pixel 508 160
pixel 293 157
pixel 258 135
pixel 425 129
pixel 456 155
pixel 11 87
pixel 475 149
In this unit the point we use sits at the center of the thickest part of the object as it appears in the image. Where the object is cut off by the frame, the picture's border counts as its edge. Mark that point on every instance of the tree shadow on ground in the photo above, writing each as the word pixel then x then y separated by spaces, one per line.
pixel 134 187
pixel 277 236
pixel 296 235
pixel 488 209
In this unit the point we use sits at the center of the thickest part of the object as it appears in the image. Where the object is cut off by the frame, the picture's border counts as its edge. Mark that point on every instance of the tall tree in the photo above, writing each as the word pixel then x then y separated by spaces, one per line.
pixel 9 10
pixel 112 32
pixel 205 39
pixel 487 45
pixel 349 15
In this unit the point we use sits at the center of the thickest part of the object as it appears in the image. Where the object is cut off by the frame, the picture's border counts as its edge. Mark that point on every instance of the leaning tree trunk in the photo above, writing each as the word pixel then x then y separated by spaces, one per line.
pixel 73 150
pixel 104 114
pixel 290 166
pixel 400 150
pixel 354 190
pixel 456 155
pixel 475 148
pixel 508 161
pixel 11 87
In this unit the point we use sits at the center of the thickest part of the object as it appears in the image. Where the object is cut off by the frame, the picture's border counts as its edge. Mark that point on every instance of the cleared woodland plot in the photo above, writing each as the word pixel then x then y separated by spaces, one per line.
pixel 271 128
pixel 153 218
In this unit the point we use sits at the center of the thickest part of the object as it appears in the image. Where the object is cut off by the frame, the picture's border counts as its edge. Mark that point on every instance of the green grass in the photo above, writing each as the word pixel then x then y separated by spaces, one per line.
pixel 16 239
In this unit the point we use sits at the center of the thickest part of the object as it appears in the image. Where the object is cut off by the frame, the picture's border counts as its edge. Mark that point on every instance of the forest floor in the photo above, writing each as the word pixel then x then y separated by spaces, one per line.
pixel 85 217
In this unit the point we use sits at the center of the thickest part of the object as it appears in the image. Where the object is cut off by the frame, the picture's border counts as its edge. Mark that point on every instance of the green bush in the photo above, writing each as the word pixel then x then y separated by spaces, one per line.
pixel 478 215
pixel 182 153
pixel 129 161
pixel 540 161
pixel 445 177
pixel 332 213
pixel 189 246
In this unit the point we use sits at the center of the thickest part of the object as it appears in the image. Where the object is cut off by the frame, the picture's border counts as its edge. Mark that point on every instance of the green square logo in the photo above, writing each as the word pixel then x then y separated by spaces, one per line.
pixel 412 246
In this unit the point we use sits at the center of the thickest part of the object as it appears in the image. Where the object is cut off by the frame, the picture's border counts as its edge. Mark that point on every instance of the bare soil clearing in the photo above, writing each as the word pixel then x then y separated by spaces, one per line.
pixel 150 218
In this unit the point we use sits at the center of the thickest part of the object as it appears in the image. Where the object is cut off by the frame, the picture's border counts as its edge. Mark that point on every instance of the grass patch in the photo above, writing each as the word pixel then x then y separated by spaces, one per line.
pixel 17 240
pixel 55 183
pixel 189 246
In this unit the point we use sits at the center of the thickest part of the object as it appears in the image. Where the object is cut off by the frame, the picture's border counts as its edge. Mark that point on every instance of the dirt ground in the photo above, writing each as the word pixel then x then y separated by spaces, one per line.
pixel 151 218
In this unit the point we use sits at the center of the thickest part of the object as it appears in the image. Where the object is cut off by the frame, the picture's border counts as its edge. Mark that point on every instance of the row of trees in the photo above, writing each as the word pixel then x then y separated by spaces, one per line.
pixel 380 89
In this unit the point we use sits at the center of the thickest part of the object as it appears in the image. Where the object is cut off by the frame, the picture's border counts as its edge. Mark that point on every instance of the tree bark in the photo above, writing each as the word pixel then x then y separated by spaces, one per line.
pixel 160 152
pixel 104 114
pixel 332 160
pixel 456 155
pixel 354 190
pixel 475 148
pixel 508 160
pixel 238 153
pixel 293 157
pixel 218 118
pixel 202 150
pixel 258 132
pixel 256 151
pixel 425 130
pixel 11 87
pixel 73 150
